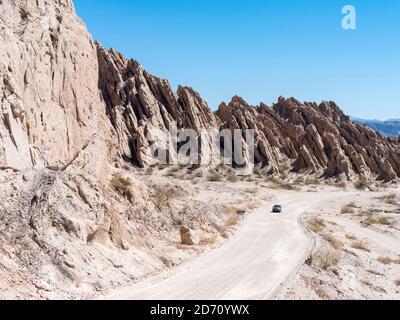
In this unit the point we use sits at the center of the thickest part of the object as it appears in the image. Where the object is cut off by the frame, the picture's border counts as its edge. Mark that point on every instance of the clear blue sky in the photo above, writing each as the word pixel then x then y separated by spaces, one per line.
pixel 261 49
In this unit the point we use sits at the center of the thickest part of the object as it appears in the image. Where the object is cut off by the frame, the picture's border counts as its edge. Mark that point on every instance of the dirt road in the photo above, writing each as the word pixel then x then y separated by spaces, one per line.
pixel 266 250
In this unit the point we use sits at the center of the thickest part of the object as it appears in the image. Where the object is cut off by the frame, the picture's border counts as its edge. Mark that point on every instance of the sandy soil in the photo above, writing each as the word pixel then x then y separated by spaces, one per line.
pixel 356 253
pixel 255 264
pixel 95 238
pixel 331 241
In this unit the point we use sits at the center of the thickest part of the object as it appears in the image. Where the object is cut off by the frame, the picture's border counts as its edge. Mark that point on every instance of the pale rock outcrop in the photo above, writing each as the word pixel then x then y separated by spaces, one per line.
pixel 50 76
pixel 315 138
pixel 141 106
pixel 50 105
pixel 300 137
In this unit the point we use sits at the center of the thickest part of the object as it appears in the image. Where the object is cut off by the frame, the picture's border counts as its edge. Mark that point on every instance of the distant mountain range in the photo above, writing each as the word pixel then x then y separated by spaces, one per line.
pixel 390 128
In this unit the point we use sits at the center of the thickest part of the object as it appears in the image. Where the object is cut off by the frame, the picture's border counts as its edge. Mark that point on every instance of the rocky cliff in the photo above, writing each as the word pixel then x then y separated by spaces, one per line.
pixel 290 136
pixel 50 104
pixel 57 85
pixel 315 139
pixel 139 103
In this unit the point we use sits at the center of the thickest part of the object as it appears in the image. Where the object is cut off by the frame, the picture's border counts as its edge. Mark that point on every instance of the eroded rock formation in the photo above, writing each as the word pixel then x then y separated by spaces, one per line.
pixel 50 104
pixel 139 103
pixel 52 108
pixel 289 136
pixel 314 138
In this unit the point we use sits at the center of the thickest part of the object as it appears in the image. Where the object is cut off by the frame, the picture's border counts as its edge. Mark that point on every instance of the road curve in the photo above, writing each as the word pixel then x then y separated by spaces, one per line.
pixel 252 265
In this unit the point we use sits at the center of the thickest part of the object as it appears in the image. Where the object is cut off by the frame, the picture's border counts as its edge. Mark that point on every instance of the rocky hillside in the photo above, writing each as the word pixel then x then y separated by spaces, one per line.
pixel 50 95
pixel 50 106
pixel 138 103
pixel 71 207
pixel 315 138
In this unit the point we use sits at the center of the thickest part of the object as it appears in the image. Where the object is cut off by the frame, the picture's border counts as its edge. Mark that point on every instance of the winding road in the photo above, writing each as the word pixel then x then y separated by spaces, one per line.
pixel 266 251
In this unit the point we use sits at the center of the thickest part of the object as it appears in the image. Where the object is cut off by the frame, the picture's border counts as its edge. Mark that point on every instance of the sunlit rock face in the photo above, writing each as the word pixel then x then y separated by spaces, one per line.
pixel 289 136
pixel 60 93
pixel 50 105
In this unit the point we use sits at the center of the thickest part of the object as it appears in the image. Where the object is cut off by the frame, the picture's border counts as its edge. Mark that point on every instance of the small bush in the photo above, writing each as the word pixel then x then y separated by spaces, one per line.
pixel 162 195
pixel 233 220
pixel 367 283
pixel 310 260
pixel 215 177
pixel 324 259
pixel 316 225
pixel 353 205
pixel 385 221
pixel 369 221
pixel 337 244
pixel 360 245
pixel 209 239
pixel 381 221
pixel 253 205
pixel 171 174
pixel 349 208
pixel 389 199
pixel 387 260
pixel 361 183
pixel 231 210
pixel 160 198
pixel 121 184
pixel 311 182
pixel 397 282
pixel 328 259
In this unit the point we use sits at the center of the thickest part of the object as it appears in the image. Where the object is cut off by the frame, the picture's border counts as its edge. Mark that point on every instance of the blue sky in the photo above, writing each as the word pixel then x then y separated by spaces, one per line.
pixel 261 49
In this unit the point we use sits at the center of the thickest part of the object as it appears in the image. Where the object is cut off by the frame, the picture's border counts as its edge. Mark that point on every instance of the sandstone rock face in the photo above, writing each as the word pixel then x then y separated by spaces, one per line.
pixel 314 138
pixel 49 99
pixel 140 105
pixel 51 73
pixel 289 136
